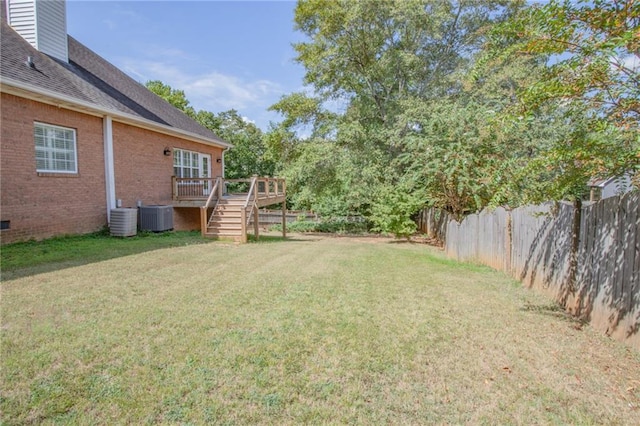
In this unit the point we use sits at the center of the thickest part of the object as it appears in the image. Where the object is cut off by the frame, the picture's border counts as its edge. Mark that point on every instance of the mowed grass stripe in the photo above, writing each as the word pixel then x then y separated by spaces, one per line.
pixel 316 330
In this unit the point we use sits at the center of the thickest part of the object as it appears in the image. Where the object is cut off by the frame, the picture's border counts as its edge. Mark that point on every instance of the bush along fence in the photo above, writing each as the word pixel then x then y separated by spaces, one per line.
pixel 586 257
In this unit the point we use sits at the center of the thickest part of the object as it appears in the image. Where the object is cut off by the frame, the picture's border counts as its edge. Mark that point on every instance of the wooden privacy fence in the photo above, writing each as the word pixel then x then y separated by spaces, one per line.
pixel 587 259
pixel 433 222
pixel 273 217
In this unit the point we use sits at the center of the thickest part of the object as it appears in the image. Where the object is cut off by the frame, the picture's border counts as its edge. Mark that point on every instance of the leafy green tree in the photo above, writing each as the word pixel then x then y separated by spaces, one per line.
pixel 305 114
pixel 594 47
pixel 250 154
pixel 374 53
pixel 175 97
pixel 393 208
pixel 592 84
pixel 372 57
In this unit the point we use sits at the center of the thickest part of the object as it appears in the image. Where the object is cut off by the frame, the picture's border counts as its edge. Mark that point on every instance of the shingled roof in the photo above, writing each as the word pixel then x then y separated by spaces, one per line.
pixel 91 81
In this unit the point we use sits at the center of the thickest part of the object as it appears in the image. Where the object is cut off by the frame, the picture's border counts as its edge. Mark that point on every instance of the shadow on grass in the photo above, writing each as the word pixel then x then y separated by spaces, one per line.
pixel 29 258
pixel 553 310
pixel 271 240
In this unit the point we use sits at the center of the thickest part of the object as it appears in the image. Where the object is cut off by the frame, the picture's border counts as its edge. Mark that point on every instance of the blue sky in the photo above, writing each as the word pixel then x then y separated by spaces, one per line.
pixel 223 54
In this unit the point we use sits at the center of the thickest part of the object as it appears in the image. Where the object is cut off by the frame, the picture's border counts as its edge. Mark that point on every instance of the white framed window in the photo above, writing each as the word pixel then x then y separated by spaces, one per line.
pixel 55 148
pixel 196 168
pixel 191 164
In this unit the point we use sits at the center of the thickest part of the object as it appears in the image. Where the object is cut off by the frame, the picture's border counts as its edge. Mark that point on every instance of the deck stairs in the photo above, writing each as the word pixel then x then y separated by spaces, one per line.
pixel 225 221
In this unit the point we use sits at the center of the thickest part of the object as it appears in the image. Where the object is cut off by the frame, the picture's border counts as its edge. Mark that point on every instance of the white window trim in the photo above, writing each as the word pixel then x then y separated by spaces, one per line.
pixel 200 156
pixel 75 148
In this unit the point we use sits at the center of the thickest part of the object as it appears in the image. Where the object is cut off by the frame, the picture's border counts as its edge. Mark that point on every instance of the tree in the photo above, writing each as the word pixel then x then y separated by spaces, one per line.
pixel 175 97
pixel 594 48
pixel 250 154
pixel 374 53
pixel 372 57
pixel 590 84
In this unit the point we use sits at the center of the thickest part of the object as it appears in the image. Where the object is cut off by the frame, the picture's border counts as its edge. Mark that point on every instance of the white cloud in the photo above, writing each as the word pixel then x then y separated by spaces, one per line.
pixel 212 91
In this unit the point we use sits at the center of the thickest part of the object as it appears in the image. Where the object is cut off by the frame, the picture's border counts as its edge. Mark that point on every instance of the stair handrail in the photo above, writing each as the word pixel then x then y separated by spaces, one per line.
pixel 213 192
pixel 204 218
pixel 251 194
pixel 252 191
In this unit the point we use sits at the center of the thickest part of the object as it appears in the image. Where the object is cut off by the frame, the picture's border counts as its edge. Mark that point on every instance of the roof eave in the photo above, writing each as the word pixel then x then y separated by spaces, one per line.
pixel 28 91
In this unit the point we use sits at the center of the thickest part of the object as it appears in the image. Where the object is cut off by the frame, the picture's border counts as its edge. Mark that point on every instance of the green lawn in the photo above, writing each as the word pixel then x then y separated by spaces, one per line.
pixel 32 257
pixel 310 330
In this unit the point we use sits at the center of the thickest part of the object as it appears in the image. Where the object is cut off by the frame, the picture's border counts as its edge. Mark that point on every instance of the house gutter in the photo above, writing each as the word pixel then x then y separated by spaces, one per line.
pixel 28 91
pixel 109 171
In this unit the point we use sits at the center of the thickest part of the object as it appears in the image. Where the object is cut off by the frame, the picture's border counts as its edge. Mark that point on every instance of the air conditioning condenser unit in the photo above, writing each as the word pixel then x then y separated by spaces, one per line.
pixel 156 218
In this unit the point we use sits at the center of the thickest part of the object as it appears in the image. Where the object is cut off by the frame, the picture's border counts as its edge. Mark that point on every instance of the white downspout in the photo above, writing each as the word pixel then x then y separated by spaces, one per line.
pixel 109 174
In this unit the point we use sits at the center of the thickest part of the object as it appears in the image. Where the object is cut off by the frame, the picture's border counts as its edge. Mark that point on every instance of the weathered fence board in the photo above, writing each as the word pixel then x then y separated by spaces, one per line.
pixel 433 222
pixel 535 244
pixel 609 270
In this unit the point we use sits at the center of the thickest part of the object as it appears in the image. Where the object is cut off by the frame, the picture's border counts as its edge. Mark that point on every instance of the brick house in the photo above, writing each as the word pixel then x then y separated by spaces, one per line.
pixel 79 137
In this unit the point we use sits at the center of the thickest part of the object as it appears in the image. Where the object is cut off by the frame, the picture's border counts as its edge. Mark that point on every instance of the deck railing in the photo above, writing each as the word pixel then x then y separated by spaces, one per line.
pixel 205 193
pixel 194 189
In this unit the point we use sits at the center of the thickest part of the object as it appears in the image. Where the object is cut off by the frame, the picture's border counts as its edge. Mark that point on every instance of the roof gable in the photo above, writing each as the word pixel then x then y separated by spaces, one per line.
pixel 90 79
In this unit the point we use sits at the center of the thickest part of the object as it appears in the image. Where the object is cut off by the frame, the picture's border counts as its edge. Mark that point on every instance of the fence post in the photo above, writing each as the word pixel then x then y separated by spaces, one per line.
pixel 508 243
pixel 575 247
pixel 220 187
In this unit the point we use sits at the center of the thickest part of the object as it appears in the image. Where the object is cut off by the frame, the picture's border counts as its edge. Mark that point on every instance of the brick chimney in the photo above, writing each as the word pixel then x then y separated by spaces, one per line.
pixel 43 23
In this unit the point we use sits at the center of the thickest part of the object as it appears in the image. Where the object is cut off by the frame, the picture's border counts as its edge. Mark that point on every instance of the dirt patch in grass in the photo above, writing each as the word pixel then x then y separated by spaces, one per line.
pixel 308 330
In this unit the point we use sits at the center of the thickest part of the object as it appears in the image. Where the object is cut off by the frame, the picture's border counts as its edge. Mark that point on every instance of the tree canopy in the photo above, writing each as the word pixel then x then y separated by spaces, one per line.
pixel 455 104
pixel 249 155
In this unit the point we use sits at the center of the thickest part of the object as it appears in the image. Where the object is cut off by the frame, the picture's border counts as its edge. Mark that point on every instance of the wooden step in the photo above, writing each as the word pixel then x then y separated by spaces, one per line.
pixel 219 224
pixel 234 202
pixel 232 216
pixel 224 232
pixel 226 219
pixel 231 225
pixel 228 212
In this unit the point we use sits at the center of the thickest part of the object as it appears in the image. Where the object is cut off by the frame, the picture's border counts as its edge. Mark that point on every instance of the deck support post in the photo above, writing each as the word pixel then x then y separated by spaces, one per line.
pixel 284 219
pixel 203 220
pixel 256 224
pixel 243 226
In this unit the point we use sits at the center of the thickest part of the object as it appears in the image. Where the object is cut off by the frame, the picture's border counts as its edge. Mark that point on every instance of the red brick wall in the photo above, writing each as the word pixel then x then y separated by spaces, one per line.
pixel 143 173
pixel 40 206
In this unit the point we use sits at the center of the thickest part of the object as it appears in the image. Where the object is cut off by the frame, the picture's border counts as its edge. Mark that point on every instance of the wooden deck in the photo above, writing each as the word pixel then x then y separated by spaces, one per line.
pixel 195 192
pixel 227 205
